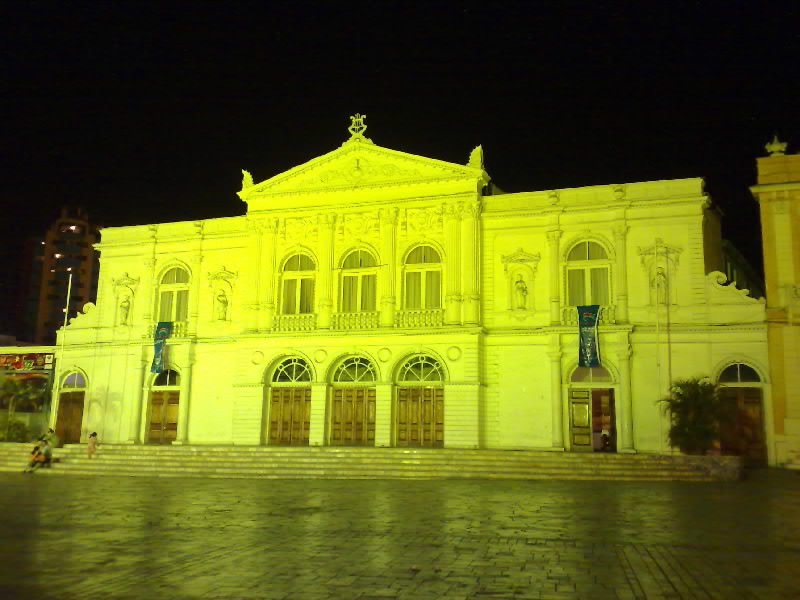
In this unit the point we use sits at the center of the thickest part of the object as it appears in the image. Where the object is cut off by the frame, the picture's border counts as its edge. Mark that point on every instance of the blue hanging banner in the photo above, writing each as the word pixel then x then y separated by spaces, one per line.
pixel 163 329
pixel 588 350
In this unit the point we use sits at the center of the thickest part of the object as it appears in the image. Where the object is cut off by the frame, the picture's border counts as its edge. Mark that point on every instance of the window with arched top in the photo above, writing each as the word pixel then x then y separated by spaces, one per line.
pixel 591 375
pixel 74 380
pixel 423 278
pixel 421 369
pixel 292 370
pixel 359 282
pixel 173 304
pixel 588 275
pixel 355 370
pixel 739 373
pixel 168 378
pixel 298 285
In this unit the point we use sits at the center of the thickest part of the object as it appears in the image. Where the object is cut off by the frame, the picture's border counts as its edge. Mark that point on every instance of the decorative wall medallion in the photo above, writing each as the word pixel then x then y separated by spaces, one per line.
pixel 257 358
pixel 384 354
pixel 301 229
pixel 320 355
pixel 423 220
pixel 454 353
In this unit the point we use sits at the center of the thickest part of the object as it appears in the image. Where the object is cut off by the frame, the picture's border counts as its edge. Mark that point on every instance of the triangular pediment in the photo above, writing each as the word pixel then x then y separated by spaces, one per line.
pixel 360 164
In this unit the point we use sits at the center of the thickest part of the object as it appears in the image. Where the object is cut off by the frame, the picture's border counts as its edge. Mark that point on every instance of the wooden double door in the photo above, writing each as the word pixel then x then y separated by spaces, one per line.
pixel 290 416
pixel 163 421
pixel 592 420
pixel 745 437
pixel 353 417
pixel 70 417
pixel 420 417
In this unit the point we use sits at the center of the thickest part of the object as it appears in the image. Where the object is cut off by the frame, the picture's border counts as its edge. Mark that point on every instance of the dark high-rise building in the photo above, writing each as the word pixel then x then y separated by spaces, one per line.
pixel 47 263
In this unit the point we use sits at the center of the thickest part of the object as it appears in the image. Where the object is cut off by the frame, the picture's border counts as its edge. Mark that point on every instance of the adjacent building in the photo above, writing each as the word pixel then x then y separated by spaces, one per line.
pixel 375 297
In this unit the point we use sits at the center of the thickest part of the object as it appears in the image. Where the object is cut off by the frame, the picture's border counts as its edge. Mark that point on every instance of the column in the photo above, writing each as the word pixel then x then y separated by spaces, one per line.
pixel 388 272
pixel 148 299
pixel 137 398
pixel 254 277
pixel 620 243
pixel 553 238
pixel 319 402
pixel 624 403
pixel 194 295
pixel 556 394
pixel 325 271
pixel 182 436
pixel 267 275
pixel 470 244
pixel 383 414
pixel 453 298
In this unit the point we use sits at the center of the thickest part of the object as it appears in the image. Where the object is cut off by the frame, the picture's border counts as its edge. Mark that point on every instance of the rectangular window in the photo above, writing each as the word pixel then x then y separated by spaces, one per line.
pixel 576 287
pixel 290 296
pixel 413 290
pixel 181 305
pixel 600 293
pixel 433 295
pixel 349 293
pixel 165 309
pixel 368 285
pixel 306 296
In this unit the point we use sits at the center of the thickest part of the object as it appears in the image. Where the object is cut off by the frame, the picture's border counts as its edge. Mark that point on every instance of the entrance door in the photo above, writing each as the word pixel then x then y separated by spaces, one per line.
pixel 745 437
pixel 580 420
pixel 420 416
pixel 163 427
pixel 70 416
pixel 290 415
pixel 592 420
pixel 353 417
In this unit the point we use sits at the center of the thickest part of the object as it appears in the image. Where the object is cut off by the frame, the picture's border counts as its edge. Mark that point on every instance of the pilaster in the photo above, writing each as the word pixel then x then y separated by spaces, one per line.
pixel 383 414
pixel 624 403
pixel 453 298
pixel 470 246
pixel 388 224
pixel 319 400
pixel 325 302
pixel 620 244
pixel 556 402
pixel 553 239
pixel 462 415
pixel 266 312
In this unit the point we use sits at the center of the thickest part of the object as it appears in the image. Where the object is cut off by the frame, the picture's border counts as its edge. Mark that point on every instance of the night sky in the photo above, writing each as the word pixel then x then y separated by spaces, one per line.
pixel 147 112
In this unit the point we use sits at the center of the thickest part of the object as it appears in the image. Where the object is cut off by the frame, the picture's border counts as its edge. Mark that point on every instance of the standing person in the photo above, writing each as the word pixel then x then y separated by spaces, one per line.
pixel 91 447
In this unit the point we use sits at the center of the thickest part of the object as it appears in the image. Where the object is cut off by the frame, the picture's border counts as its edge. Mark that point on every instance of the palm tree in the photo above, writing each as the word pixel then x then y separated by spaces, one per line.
pixel 696 412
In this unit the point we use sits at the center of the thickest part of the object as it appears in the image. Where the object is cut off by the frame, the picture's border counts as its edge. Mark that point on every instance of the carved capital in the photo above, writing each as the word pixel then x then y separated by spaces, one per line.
pixel 554 236
pixel 620 231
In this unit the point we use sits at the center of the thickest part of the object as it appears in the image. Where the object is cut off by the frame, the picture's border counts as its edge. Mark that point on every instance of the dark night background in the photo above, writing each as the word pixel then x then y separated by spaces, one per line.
pixel 145 112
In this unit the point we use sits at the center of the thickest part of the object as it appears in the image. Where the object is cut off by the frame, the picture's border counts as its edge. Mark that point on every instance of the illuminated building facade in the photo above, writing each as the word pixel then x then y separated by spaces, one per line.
pixel 374 297
pixel 778 195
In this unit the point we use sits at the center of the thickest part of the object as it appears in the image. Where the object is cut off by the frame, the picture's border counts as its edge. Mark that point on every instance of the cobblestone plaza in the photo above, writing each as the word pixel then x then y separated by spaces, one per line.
pixel 126 538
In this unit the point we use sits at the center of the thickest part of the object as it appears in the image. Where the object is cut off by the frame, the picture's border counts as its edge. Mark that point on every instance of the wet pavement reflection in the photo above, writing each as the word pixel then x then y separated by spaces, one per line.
pixel 69 537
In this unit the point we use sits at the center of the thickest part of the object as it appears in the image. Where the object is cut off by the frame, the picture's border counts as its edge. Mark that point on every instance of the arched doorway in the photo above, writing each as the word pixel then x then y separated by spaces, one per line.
pixel 164 399
pixel 353 403
pixel 290 403
pixel 419 407
pixel 741 386
pixel 592 414
pixel 70 408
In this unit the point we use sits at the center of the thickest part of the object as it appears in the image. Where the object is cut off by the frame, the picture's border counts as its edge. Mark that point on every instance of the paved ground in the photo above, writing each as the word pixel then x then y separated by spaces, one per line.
pixel 116 538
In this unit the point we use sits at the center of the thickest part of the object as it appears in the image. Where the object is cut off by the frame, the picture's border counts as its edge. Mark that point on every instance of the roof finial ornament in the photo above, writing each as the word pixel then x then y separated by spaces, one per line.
pixel 776 147
pixel 357 127
pixel 247 179
pixel 476 158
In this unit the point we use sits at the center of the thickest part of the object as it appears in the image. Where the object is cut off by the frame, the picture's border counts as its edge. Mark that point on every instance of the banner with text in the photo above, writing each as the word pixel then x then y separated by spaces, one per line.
pixel 588 350
pixel 163 329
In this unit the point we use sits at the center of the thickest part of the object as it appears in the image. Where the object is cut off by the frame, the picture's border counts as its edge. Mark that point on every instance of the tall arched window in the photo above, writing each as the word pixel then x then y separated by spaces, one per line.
pixel 298 285
pixel 174 295
pixel 359 281
pixel 588 275
pixel 423 278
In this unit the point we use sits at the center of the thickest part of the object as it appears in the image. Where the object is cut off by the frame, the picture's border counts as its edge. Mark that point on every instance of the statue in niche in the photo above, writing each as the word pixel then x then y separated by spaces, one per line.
pixel 124 309
pixel 520 293
pixel 659 284
pixel 222 306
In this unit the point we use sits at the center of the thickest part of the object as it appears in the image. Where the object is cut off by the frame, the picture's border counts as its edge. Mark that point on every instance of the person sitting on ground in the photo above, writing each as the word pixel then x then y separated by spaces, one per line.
pixel 92 444
pixel 40 456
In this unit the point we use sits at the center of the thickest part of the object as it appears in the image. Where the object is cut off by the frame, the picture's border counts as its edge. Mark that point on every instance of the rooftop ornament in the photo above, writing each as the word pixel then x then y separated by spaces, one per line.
pixel 776 147
pixel 357 128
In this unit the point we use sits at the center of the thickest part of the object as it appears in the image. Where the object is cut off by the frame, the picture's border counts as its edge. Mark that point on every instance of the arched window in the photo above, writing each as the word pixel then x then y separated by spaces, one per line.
pixel 298 285
pixel 591 375
pixel 74 381
pixel 588 275
pixel 739 373
pixel 423 278
pixel 292 370
pixel 174 295
pixel 359 282
pixel 167 378
pixel 355 370
pixel 421 369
